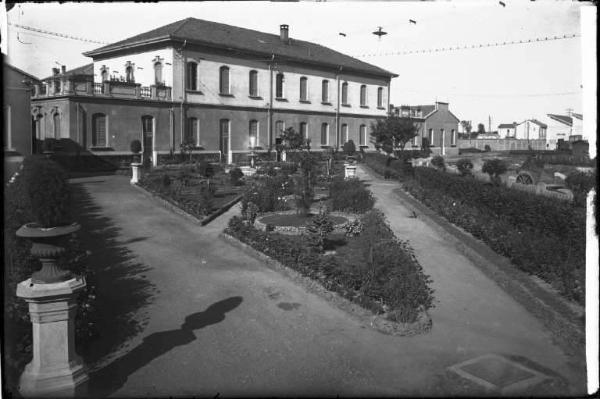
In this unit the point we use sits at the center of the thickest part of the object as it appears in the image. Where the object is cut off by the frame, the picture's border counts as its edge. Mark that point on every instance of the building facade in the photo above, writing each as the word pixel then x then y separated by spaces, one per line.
pixel 507 130
pixel 531 129
pixel 436 125
pixel 218 87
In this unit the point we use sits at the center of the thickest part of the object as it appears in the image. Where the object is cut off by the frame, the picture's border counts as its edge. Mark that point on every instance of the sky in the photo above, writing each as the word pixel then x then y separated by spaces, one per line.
pixel 504 83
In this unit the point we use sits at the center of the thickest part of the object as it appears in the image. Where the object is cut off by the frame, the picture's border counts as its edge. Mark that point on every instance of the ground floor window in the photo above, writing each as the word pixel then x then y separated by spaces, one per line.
pixel 224 137
pixel 362 135
pixel 253 133
pixel 279 128
pixel 192 134
pixel 324 134
pixel 304 129
pixel 344 133
pixel 430 137
pixel 453 137
pixel 98 130
pixel 56 123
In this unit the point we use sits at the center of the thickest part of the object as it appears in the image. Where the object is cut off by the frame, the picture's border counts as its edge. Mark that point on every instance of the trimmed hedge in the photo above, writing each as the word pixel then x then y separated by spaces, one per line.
pixel 397 168
pixel 542 236
pixel 373 269
pixel 350 195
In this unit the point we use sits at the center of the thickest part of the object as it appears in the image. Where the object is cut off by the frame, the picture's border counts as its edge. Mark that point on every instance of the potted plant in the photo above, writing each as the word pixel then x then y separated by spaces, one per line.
pixel 49 197
pixel 136 148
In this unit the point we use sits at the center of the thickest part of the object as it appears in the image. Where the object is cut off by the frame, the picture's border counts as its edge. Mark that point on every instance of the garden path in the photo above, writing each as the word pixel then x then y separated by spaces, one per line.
pixel 220 322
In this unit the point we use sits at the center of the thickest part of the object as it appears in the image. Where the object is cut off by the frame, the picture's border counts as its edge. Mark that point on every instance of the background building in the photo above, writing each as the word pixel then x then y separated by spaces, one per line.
pixel 531 129
pixel 216 86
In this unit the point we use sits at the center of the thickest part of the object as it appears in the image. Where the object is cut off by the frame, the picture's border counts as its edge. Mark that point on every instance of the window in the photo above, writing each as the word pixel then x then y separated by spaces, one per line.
pixel 453 137
pixel 253 133
pixel 98 130
pixel 324 134
pixel 362 135
pixel 191 135
pixel 344 133
pixel 158 69
pixel 192 76
pixel 363 95
pixel 380 97
pixel 56 120
pixel 129 74
pixel 345 93
pixel 279 85
pixel 415 141
pixel 303 89
pixel 325 91
pixel 253 83
pixel 279 128
pixel 224 137
pixel 430 137
pixel 57 86
pixel 224 80
pixel 304 129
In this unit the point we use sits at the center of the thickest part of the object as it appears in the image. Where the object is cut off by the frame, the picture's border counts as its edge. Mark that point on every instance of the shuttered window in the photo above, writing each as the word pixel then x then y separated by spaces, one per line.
pixel 253 83
pixel 224 80
pixel 345 93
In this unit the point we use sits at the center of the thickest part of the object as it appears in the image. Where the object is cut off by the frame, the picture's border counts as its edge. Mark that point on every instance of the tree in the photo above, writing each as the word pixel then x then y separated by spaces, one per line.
pixel 293 140
pixel 466 125
pixel 392 133
pixel 480 128
pixel 494 167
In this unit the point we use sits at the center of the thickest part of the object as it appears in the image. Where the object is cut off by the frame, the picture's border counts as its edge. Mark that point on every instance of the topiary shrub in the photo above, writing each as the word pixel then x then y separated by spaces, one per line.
pixel 48 191
pixel 136 147
pixel 318 230
pixel 349 147
pixel 465 167
pixel 235 176
pixel 494 167
pixel 438 162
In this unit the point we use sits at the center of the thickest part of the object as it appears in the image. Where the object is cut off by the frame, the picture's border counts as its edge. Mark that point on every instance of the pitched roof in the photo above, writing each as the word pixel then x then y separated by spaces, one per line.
pixel 507 126
pixel 87 69
pixel 578 116
pixel 538 123
pixel 22 72
pixel 219 35
pixel 425 109
pixel 567 120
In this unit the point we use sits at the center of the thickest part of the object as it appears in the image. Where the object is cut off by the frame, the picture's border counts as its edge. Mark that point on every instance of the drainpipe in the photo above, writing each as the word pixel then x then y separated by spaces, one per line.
pixel 270 105
pixel 337 109
pixel 183 93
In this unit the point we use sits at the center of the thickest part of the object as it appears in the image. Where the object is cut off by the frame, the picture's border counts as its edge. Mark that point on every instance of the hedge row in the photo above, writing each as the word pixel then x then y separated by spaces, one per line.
pixel 377 271
pixel 395 168
pixel 350 195
pixel 540 235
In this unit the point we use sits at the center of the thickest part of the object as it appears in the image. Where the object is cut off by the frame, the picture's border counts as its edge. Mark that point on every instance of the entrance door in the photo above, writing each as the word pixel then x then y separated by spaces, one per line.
pixel 224 140
pixel 148 136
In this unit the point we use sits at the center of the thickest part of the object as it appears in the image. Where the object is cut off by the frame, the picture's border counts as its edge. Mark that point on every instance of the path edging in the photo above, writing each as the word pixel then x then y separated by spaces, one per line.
pixel 364 316
pixel 555 314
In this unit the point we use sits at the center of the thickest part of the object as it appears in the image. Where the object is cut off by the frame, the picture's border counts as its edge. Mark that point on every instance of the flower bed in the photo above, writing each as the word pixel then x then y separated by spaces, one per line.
pixel 542 236
pixel 371 267
pixel 289 222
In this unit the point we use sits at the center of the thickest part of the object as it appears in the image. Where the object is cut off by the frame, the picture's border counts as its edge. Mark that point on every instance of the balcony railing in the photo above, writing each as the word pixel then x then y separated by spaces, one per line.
pixel 114 89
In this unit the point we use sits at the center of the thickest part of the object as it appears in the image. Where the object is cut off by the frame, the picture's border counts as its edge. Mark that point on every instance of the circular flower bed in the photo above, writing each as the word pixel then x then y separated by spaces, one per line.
pixel 289 222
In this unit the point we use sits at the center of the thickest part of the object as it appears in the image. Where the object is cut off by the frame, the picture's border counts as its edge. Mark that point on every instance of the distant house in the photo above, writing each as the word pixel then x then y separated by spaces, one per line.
pixel 531 129
pixel 436 125
pixel 17 136
pixel 507 130
pixel 564 127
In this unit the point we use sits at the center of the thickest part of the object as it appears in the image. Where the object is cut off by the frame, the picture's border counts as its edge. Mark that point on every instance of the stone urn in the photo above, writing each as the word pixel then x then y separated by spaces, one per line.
pixel 135 172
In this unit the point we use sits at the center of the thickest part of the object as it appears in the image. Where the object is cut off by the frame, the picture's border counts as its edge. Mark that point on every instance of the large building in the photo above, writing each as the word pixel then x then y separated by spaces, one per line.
pixel 220 87
pixel 437 125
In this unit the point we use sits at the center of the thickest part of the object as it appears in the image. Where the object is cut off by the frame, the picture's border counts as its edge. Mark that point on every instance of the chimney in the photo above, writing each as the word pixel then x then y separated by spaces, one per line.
pixel 283 32
pixel 55 71
pixel 63 69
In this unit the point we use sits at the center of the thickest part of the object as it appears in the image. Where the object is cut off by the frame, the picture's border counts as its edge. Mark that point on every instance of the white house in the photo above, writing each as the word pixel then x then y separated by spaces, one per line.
pixel 531 129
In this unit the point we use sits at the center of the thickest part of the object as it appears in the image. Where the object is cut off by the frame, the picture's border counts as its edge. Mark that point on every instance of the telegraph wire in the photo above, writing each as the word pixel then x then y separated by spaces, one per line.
pixel 473 46
pixel 47 32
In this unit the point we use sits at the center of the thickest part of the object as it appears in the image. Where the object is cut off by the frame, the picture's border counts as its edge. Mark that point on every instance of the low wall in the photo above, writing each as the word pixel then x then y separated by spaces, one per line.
pixel 503 144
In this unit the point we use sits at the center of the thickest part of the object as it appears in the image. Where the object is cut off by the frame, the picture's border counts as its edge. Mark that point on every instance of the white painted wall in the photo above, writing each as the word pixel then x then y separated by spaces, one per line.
pixel 529 130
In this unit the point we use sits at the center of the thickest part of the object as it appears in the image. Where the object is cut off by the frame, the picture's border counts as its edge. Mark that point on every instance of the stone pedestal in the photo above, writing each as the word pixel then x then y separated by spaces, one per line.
pixel 55 370
pixel 350 171
pixel 135 172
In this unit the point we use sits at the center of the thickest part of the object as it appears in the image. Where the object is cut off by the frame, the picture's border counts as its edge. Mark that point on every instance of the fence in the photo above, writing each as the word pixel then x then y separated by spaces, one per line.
pixel 502 144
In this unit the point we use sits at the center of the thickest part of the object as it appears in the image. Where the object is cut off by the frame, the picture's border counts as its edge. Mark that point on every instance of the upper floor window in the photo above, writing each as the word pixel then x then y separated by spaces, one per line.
pixel 362 135
pixel 57 86
pixel 325 91
pixel 380 97
pixel 192 76
pixel 363 95
pixel 224 80
pixel 253 133
pixel 279 80
pixel 158 73
pixel 129 74
pixel 253 83
pixel 324 134
pixel 303 89
pixel 304 129
pixel 98 130
pixel 345 93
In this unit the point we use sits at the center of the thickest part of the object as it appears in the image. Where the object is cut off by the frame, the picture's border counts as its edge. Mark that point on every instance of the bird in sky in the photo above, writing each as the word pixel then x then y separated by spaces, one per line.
pixel 502 3
pixel 412 21
pixel 380 32
pixel 342 34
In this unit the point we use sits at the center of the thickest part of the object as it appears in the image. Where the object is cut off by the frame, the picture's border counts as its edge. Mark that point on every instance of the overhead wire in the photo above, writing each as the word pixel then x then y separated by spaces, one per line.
pixel 57 34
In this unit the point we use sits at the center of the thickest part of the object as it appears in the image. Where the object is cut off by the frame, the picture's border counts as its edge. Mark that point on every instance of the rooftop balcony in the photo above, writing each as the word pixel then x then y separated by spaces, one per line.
pixel 107 89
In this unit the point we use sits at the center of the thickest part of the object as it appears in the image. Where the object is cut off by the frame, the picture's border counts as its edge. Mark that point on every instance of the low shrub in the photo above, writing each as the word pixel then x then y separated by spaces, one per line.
pixel 268 193
pixel 494 167
pixel 580 183
pixel 350 195
pixel 464 166
pixel 487 148
pixel 317 230
pixel 205 169
pixel 235 176
pixel 438 162
pixel 470 150
pixel 541 235
pixel 349 148
pixel 397 168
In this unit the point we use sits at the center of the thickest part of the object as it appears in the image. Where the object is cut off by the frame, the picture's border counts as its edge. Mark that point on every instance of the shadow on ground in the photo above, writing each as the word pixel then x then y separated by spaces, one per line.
pixel 113 376
pixel 121 290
